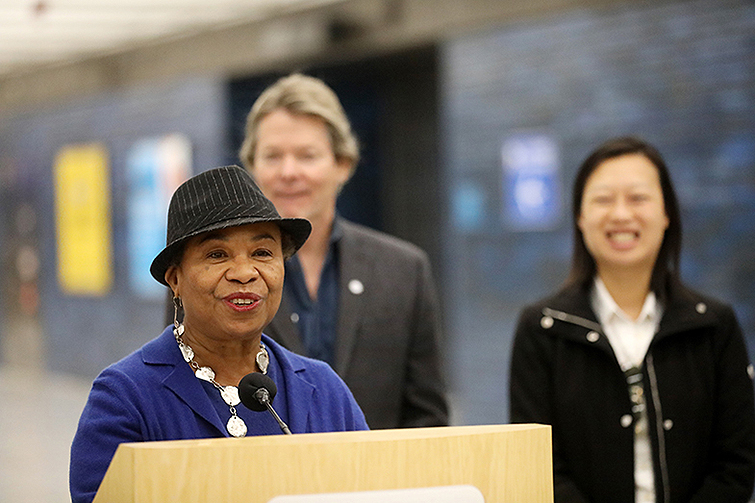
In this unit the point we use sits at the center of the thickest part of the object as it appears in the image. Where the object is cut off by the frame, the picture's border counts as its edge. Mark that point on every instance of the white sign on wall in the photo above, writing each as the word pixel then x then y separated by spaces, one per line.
pixel 447 494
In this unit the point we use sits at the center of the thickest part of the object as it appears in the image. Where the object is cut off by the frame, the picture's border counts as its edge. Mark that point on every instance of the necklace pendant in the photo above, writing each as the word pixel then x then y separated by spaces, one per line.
pixel 263 360
pixel 236 427
pixel 205 373
pixel 178 331
pixel 230 395
pixel 186 351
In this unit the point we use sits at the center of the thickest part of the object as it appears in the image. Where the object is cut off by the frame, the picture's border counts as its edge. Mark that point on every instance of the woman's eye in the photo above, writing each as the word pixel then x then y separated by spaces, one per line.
pixel 263 252
pixel 215 255
pixel 639 197
pixel 602 199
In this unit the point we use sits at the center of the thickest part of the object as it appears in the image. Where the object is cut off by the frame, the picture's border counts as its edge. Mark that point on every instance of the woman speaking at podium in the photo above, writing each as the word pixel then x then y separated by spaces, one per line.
pixel 223 261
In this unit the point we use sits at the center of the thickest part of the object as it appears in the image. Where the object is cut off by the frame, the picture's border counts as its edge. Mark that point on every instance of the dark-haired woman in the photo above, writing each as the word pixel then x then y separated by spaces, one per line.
pixel 646 383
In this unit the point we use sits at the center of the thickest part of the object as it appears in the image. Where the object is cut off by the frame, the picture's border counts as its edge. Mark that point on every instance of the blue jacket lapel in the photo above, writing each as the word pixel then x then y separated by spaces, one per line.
pixel 299 391
pixel 179 377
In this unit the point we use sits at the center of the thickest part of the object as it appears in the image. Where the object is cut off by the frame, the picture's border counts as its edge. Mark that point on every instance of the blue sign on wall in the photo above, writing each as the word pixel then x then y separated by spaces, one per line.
pixel 531 187
pixel 155 168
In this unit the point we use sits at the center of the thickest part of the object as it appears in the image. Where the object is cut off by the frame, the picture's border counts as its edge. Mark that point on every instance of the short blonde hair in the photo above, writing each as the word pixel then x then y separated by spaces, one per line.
pixel 302 95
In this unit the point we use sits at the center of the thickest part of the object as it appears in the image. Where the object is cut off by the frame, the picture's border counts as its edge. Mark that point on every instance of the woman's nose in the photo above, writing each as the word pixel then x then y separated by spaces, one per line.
pixel 621 209
pixel 243 270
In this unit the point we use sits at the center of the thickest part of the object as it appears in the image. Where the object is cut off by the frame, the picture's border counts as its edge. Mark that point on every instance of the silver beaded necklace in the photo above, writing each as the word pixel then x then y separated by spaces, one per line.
pixel 230 394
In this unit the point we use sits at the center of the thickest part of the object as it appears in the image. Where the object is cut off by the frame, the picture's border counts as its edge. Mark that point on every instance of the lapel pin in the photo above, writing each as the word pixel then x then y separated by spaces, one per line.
pixel 356 287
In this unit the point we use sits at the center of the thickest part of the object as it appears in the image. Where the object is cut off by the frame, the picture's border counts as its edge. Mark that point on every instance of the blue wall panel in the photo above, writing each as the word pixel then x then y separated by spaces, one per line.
pixel 85 334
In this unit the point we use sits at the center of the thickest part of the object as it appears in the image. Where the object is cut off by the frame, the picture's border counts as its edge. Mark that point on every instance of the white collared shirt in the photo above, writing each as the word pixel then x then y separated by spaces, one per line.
pixel 630 340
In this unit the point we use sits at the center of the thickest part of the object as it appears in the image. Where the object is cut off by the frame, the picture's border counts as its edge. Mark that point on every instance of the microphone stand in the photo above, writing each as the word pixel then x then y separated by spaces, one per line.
pixel 263 396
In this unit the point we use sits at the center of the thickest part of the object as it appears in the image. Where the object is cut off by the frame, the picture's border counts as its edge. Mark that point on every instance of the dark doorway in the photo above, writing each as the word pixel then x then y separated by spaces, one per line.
pixel 392 103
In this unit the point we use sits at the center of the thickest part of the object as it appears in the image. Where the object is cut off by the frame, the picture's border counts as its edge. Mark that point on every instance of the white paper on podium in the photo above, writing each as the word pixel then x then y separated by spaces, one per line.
pixel 445 494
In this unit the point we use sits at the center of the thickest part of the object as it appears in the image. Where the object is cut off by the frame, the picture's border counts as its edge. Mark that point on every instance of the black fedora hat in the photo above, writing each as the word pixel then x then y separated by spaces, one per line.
pixel 217 199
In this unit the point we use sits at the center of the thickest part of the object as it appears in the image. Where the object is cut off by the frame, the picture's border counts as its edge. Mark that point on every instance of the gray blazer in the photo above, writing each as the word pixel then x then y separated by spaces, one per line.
pixel 387 346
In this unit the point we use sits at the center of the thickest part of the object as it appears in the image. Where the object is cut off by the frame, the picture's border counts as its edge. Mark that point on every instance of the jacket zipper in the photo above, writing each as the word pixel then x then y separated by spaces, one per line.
pixel 570 318
pixel 659 427
pixel 591 325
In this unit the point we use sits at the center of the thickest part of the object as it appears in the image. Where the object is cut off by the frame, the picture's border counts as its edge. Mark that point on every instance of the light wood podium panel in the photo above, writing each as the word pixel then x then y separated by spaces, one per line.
pixel 507 463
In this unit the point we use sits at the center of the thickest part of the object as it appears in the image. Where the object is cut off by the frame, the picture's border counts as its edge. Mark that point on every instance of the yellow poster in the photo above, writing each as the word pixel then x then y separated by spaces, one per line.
pixel 82 214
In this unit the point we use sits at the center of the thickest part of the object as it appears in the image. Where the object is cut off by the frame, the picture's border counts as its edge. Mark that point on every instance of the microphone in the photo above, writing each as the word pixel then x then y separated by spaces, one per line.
pixel 256 392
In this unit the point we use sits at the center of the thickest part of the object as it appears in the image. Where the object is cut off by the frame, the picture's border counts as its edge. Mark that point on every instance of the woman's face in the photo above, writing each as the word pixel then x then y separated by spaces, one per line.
pixel 295 167
pixel 622 215
pixel 230 281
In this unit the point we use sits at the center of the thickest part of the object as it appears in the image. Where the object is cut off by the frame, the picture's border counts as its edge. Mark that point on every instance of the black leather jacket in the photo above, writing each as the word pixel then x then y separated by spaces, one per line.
pixel 698 390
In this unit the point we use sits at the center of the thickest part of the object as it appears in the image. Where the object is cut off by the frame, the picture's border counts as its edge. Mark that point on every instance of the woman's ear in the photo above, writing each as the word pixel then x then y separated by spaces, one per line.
pixel 171 278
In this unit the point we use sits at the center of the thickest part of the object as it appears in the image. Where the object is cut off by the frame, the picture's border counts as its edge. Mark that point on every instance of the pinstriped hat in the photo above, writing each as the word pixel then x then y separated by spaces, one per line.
pixel 217 199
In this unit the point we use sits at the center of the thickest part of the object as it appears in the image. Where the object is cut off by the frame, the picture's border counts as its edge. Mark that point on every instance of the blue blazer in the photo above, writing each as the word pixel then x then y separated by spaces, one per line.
pixel 153 394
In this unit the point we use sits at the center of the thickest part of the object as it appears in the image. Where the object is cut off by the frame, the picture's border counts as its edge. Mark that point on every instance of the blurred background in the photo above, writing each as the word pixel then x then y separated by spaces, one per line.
pixel 473 117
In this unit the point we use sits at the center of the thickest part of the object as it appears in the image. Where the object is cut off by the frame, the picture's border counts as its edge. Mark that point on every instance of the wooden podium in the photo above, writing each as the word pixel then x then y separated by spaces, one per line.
pixel 507 463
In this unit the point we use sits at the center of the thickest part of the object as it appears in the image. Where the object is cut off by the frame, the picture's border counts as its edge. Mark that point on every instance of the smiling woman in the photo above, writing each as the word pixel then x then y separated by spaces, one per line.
pixel 230 283
pixel 645 382
pixel 226 246
pixel 623 222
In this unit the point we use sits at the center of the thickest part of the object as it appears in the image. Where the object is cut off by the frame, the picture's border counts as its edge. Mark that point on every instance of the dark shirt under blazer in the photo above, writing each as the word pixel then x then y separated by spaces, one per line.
pixel 387 343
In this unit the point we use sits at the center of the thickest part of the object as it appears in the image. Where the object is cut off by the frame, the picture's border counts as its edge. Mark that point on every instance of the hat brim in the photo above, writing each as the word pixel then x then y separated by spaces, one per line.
pixel 297 228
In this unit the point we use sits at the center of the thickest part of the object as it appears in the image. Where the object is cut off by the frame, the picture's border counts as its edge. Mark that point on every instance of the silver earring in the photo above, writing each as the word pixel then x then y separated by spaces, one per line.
pixel 178 327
